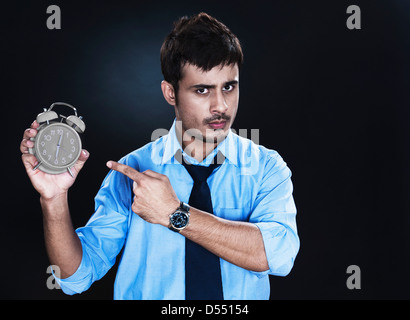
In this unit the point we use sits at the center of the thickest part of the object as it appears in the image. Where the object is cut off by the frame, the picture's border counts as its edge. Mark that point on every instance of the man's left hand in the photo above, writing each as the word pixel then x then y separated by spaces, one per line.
pixel 154 197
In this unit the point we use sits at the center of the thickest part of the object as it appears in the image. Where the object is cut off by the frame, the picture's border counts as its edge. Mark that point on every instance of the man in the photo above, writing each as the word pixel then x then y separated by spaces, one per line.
pixel 183 237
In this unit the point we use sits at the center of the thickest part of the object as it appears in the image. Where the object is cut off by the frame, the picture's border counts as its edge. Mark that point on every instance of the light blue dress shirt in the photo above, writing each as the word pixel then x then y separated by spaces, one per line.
pixel 253 184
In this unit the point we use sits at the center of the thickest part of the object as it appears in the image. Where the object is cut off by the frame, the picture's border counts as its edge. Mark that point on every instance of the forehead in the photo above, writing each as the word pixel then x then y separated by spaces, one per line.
pixel 217 75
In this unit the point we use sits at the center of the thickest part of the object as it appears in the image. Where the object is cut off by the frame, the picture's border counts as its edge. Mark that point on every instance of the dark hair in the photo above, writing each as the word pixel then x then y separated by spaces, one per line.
pixel 200 40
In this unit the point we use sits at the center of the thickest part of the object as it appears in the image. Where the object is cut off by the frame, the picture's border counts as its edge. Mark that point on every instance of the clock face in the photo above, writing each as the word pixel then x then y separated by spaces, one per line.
pixel 57 147
pixel 179 220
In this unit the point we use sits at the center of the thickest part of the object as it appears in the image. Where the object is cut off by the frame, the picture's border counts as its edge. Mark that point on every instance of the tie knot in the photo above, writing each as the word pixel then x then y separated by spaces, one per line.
pixel 200 173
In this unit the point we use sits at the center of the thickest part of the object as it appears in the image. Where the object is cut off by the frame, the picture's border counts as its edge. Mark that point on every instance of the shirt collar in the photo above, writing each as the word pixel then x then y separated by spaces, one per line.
pixel 228 147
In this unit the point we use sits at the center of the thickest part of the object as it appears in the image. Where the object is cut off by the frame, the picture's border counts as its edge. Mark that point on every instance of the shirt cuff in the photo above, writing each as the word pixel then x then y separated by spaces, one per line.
pixel 79 281
pixel 281 246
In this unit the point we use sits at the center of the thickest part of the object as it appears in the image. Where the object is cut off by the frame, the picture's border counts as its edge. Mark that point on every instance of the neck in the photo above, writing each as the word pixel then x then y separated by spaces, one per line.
pixel 194 146
pixel 198 149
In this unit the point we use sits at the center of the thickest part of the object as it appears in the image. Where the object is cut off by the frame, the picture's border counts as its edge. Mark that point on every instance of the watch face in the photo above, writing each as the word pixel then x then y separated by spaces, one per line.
pixel 179 220
pixel 57 147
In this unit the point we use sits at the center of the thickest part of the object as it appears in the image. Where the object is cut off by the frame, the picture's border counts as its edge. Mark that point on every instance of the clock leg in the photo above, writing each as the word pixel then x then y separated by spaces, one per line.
pixel 38 164
pixel 69 171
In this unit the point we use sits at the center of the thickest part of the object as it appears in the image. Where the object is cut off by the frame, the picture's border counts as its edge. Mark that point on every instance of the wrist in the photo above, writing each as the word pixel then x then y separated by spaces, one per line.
pixel 175 206
pixel 46 199
pixel 167 213
pixel 54 207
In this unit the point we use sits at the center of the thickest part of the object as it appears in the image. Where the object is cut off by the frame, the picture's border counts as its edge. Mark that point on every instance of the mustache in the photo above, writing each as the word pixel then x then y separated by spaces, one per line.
pixel 217 117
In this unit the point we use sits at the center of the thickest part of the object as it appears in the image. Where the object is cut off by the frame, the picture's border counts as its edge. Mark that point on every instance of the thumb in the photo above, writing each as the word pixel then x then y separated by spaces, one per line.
pixel 81 160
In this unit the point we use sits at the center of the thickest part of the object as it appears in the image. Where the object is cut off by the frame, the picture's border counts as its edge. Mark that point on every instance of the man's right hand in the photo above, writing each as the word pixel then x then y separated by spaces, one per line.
pixel 48 185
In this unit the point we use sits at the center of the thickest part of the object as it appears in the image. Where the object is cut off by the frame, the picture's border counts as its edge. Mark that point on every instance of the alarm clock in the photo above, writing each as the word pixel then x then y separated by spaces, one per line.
pixel 57 145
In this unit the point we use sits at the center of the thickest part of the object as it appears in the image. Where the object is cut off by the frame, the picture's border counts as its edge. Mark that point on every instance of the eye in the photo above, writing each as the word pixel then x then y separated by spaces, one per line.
pixel 202 91
pixel 228 88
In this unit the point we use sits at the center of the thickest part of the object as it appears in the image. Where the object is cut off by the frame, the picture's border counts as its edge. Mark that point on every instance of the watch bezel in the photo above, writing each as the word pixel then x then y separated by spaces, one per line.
pixel 183 209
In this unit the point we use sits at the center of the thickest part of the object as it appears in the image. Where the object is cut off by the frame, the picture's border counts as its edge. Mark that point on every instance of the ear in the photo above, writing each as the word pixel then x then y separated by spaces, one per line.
pixel 168 92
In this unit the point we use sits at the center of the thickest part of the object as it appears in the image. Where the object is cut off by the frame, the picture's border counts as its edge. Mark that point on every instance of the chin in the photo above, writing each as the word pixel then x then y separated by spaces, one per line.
pixel 217 136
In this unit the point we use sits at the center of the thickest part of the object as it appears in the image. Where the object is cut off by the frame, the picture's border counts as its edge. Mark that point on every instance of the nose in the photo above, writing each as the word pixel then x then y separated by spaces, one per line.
pixel 218 103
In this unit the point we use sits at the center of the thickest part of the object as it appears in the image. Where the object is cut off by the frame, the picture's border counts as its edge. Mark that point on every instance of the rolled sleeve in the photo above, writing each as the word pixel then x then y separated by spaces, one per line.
pixel 80 280
pixel 274 214
pixel 281 247
pixel 104 234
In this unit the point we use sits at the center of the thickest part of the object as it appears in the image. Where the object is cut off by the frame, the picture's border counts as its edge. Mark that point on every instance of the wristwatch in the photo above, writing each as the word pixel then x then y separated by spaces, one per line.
pixel 180 218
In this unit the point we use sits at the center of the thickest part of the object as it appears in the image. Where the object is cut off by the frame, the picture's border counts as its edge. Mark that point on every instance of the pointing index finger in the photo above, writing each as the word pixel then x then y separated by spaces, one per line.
pixel 124 169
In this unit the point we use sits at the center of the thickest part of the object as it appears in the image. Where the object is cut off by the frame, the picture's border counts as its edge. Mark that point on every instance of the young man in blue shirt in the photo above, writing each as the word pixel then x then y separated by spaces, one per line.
pixel 252 229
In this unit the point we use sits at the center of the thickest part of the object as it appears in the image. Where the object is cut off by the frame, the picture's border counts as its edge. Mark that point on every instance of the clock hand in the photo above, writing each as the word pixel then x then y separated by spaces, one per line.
pixel 58 145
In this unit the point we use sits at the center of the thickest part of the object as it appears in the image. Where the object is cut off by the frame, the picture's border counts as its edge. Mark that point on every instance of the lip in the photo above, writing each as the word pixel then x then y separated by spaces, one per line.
pixel 217 124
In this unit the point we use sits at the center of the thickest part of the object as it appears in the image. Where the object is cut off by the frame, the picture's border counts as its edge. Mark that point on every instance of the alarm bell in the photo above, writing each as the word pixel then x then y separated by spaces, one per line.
pixel 76 123
pixel 46 116
pixel 73 121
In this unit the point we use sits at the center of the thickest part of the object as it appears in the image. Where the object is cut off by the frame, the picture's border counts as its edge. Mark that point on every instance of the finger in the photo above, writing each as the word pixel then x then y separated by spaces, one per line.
pixel 25 145
pixel 29 161
pixel 29 133
pixel 134 187
pixel 126 170
pixel 84 155
pixel 34 125
pixel 153 174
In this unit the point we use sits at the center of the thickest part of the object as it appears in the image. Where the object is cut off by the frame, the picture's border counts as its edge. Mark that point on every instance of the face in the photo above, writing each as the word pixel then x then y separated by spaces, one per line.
pixel 207 101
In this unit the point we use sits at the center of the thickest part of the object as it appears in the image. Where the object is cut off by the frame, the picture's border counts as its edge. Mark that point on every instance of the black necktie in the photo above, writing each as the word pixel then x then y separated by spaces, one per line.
pixel 202 268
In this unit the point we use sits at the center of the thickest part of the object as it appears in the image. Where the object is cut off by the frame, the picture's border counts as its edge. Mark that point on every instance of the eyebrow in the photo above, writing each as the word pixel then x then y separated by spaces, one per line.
pixel 213 86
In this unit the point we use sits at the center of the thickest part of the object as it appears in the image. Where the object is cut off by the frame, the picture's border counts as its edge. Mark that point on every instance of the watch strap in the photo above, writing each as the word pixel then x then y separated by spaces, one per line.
pixel 184 207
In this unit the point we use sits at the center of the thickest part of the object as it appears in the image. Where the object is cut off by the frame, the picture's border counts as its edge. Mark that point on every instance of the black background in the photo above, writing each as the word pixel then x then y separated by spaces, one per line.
pixel 333 102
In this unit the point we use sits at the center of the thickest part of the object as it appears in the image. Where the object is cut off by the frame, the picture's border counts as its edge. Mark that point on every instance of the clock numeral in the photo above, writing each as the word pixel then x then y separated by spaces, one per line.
pixel 59 132
pixel 47 137
pixel 42 143
pixel 56 161
pixel 52 132
pixel 72 149
pixel 72 141
pixel 44 152
pixel 63 160
pixel 49 157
